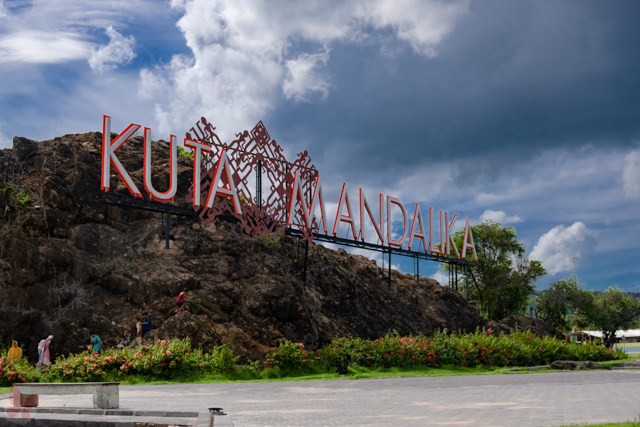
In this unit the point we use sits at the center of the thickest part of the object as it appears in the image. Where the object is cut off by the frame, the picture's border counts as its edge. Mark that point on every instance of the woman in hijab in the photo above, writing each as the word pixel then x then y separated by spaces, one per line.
pixel 15 352
pixel 43 351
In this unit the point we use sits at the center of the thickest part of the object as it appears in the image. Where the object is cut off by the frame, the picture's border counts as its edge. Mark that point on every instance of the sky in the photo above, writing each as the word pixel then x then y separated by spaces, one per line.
pixel 526 113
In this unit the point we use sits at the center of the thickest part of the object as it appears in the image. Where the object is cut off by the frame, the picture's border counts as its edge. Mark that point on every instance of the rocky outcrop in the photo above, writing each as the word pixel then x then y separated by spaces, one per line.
pixel 71 264
pixel 570 365
pixel 522 323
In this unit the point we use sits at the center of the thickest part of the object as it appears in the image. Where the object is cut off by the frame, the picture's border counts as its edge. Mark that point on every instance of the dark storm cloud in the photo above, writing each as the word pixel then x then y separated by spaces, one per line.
pixel 510 80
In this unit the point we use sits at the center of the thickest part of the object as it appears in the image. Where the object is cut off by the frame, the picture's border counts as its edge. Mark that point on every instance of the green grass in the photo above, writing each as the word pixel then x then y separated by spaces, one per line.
pixel 356 372
pixel 5 390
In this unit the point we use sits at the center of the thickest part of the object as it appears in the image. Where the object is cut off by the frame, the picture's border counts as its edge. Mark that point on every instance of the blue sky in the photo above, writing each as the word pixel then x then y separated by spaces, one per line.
pixel 522 112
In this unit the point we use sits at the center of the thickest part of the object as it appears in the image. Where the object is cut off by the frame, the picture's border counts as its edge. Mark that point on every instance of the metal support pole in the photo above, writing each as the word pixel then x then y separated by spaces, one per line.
pixel 456 279
pixel 389 268
pixel 167 230
pixel 259 184
pixel 306 257
pixel 466 281
pixel 418 262
pixel 286 191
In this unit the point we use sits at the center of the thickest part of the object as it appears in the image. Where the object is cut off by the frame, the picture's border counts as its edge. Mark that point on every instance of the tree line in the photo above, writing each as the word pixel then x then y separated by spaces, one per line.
pixel 503 281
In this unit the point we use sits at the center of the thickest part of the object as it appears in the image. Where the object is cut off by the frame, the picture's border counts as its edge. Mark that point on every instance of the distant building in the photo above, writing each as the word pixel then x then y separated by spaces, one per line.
pixel 629 336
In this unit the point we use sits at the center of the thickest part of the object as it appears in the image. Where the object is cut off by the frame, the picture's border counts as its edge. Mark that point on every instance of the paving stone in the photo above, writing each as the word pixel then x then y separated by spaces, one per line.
pixel 541 399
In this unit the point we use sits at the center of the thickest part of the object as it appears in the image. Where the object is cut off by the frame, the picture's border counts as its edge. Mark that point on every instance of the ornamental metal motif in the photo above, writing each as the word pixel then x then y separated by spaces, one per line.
pixel 253 153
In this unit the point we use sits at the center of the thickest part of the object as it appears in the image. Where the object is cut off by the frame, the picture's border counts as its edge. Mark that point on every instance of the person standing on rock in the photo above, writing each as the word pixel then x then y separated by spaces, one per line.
pixel 44 358
pixel 96 343
pixel 180 301
pixel 146 323
pixel 138 326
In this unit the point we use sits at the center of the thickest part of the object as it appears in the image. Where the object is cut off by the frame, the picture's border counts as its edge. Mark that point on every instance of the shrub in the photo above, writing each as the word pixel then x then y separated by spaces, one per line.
pixel 16 372
pixel 466 350
pixel 164 359
pixel 290 356
pixel 195 305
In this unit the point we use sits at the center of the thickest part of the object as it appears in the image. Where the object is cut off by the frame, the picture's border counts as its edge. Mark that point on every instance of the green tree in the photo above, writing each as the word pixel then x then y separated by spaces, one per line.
pixel 502 279
pixel 608 311
pixel 554 304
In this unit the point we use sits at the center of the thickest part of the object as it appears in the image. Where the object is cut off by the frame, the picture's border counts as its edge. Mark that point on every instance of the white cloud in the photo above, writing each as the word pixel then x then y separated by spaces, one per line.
pixel 118 51
pixel 4 141
pixel 441 278
pixel 244 56
pixel 631 175
pixel 41 47
pixel 555 247
pixel 302 77
pixel 499 217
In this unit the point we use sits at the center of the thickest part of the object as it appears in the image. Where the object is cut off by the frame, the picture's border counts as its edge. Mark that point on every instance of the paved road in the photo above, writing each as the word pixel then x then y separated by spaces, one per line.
pixel 544 399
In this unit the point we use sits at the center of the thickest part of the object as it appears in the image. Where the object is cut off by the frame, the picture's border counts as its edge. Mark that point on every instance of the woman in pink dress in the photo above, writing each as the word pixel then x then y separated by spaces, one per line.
pixel 43 351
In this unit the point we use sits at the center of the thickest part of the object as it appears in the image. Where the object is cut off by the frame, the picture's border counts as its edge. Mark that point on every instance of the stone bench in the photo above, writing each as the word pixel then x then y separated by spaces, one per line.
pixel 105 395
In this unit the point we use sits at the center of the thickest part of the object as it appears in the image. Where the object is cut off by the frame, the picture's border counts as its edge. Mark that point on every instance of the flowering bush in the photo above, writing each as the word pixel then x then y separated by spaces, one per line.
pixel 290 356
pixel 466 350
pixel 164 359
pixel 15 372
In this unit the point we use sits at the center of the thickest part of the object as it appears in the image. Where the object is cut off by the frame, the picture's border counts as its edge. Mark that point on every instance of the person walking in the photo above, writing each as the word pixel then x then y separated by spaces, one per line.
pixel 96 343
pixel 15 352
pixel 44 358
pixel 180 301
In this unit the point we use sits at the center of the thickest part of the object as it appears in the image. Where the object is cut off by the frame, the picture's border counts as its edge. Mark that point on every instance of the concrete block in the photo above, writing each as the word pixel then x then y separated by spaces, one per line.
pixel 205 419
pixel 150 413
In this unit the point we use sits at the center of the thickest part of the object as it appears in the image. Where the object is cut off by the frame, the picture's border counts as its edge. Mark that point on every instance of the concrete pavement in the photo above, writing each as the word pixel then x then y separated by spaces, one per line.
pixel 543 399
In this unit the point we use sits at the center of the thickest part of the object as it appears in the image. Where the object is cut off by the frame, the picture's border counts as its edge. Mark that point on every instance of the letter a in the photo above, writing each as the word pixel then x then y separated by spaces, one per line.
pixel 168 195
pixel 414 232
pixel 223 165
pixel 109 157
pixel 468 241
pixel 344 198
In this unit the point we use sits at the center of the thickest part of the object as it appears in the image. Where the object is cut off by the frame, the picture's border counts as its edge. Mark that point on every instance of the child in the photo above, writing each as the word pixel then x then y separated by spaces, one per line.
pixel 138 327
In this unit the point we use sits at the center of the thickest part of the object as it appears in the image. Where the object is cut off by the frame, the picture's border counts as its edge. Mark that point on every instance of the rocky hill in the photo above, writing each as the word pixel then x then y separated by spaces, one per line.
pixel 71 264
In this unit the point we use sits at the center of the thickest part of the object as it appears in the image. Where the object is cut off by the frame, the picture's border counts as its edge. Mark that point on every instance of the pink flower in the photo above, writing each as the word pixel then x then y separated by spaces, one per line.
pixel 489 331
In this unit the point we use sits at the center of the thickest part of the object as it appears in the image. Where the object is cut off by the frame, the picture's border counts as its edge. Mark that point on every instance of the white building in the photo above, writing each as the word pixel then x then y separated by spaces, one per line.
pixel 629 336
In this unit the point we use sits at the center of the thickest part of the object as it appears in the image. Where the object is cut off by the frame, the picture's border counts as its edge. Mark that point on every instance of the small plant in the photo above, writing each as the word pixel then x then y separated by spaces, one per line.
pixel 185 153
pixel 195 305
pixel 23 199
pixel 269 242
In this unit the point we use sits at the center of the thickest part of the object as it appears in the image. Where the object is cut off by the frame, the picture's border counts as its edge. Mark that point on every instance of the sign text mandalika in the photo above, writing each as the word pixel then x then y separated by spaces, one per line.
pixel 297 203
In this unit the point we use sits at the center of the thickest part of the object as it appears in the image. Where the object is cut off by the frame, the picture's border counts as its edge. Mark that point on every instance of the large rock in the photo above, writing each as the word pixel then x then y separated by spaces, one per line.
pixel 72 264
pixel 570 365
pixel 522 323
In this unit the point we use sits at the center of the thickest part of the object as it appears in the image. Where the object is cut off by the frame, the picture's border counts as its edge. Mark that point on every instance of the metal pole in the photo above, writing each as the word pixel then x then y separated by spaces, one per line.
pixel 167 231
pixel 306 256
pixel 259 184
pixel 389 268
pixel 418 262
pixel 286 188
pixel 456 277
pixel 466 281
